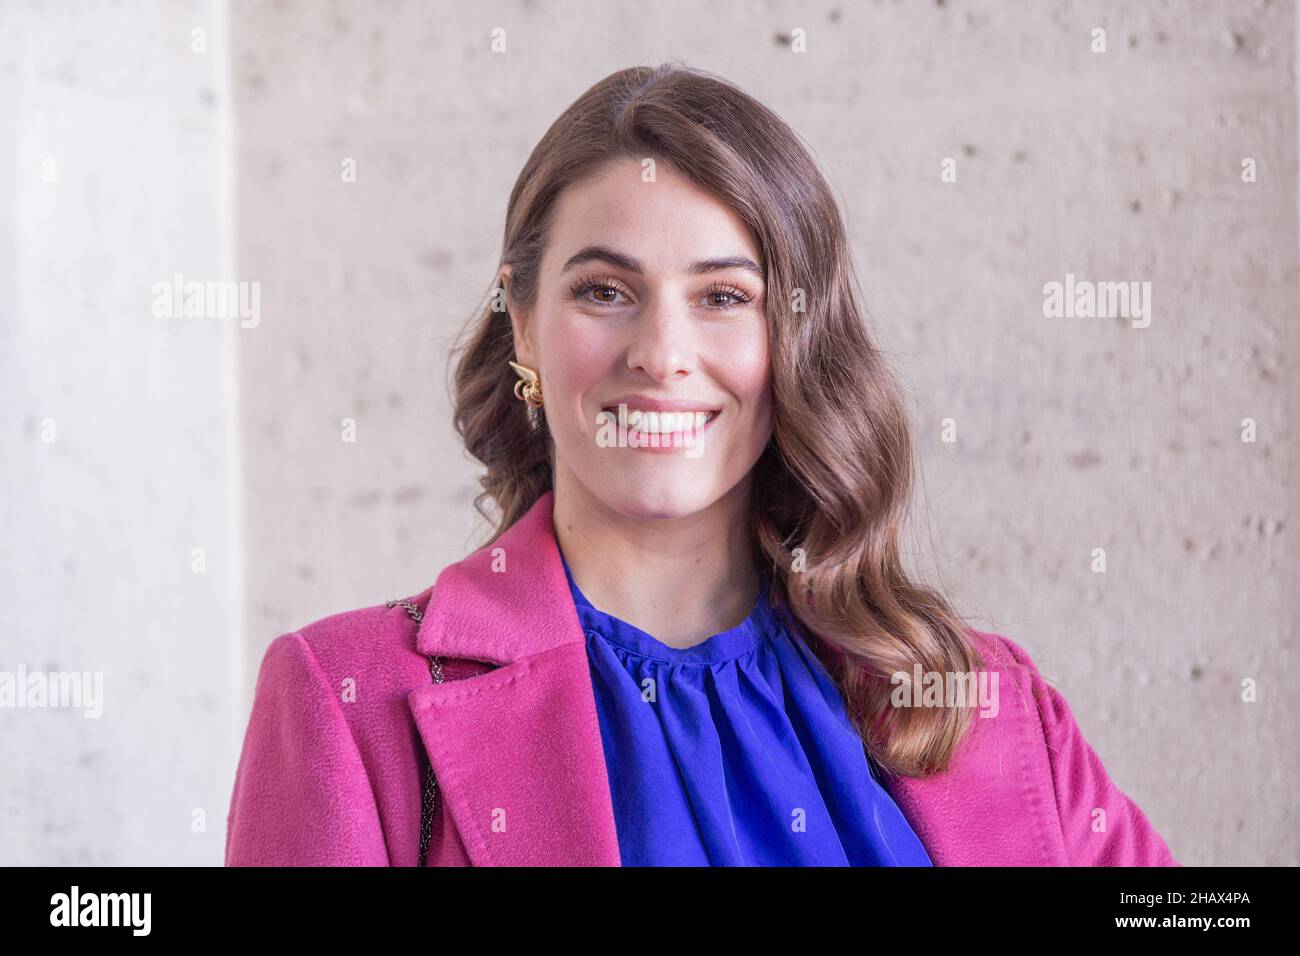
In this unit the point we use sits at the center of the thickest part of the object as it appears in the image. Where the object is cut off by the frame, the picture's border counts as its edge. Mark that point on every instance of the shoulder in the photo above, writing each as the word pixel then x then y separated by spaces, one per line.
pixel 1032 697
pixel 1012 663
pixel 325 762
pixel 1100 824
pixel 372 648
pixel 1002 653
pixel 1042 701
pixel 375 632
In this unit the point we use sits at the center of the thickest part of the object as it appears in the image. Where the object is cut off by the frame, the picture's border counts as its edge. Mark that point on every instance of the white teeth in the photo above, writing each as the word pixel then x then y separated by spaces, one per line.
pixel 666 423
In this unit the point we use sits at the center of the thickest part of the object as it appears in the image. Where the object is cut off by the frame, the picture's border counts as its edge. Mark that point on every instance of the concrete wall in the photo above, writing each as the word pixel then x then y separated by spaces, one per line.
pixel 1070 434
pixel 118 452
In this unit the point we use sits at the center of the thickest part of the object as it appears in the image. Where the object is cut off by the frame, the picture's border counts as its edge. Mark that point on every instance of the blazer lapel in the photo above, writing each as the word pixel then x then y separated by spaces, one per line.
pixel 516 750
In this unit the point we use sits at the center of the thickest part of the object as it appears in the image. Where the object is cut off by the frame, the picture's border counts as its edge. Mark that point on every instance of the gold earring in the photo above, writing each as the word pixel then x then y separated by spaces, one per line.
pixel 529 386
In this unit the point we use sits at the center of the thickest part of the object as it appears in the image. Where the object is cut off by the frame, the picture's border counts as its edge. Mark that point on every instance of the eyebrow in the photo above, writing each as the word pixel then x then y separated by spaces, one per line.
pixel 624 261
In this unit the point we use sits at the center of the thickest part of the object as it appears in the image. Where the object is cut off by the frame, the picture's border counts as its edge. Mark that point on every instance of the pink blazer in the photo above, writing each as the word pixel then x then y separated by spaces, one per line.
pixel 345 713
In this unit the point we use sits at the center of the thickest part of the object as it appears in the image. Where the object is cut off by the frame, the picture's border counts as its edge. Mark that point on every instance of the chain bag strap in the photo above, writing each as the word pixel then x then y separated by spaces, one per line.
pixel 429 800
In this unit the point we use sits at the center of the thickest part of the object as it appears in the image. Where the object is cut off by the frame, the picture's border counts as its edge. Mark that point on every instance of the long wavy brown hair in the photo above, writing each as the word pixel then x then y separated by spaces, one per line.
pixel 832 489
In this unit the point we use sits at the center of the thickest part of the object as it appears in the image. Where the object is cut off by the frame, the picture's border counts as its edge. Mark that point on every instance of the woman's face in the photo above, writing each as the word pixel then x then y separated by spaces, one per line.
pixel 650 294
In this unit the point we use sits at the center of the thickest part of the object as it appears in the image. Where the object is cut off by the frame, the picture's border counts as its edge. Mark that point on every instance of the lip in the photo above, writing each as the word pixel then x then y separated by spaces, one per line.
pixel 647 403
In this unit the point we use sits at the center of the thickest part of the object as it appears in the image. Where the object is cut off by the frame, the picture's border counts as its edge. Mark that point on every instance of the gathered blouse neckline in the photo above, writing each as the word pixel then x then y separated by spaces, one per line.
pixel 720 648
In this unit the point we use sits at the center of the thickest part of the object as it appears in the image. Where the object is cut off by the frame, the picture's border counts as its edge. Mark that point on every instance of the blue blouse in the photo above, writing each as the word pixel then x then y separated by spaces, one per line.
pixel 735 752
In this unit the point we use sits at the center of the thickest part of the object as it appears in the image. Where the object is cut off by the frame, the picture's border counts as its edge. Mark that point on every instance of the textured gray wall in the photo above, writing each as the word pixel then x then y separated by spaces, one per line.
pixel 1070 433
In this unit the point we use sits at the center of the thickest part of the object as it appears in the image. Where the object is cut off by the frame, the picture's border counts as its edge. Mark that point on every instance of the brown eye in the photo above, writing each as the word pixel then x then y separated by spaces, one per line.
pixel 727 292
pixel 606 291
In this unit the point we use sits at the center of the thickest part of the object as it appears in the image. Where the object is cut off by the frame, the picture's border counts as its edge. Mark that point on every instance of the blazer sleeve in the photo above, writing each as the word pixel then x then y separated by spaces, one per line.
pixel 1101 825
pixel 302 796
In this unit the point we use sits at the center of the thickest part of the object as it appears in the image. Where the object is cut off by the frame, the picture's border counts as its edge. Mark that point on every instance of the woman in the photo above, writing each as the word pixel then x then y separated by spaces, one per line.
pixel 690 639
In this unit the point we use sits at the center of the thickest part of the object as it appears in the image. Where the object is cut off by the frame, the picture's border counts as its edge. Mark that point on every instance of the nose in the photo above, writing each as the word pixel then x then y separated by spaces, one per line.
pixel 662 344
